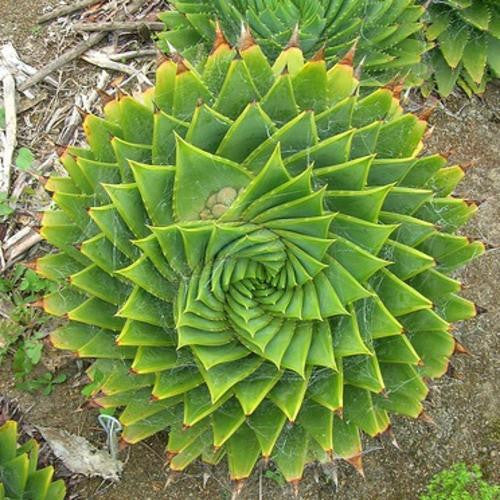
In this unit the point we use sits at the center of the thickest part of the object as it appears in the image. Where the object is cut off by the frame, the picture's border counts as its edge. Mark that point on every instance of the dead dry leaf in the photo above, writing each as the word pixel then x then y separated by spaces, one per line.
pixel 80 456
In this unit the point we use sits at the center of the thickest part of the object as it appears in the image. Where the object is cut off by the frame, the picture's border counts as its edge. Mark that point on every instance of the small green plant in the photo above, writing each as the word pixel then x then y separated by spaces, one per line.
pixel 19 476
pixel 24 159
pixel 19 289
pixel 5 208
pixel 2 117
pixel 45 383
pixel 460 482
pixel 36 29
pixel 10 332
pixel 27 355
pixel 275 476
pixel 20 335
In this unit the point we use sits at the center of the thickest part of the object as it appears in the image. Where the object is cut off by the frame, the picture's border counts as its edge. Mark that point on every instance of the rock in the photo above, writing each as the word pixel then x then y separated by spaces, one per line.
pixel 212 200
pixel 226 195
pixel 205 214
pixel 218 209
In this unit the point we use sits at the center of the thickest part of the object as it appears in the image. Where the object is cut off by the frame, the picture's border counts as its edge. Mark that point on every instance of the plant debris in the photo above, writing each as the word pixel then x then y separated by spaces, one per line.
pixel 80 456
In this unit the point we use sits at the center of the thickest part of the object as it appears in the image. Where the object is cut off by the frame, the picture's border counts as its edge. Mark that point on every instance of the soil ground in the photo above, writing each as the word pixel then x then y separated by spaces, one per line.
pixel 463 404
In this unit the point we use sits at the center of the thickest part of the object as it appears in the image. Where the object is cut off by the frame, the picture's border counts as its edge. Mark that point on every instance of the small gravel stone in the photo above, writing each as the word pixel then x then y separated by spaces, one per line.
pixel 218 209
pixel 212 200
pixel 205 214
pixel 226 195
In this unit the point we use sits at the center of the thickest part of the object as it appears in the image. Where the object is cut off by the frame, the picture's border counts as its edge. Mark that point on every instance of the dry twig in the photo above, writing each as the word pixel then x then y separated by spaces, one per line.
pixel 103 61
pixel 74 119
pixel 77 51
pixel 19 68
pixel 132 54
pixel 10 135
pixel 23 246
pixel 65 58
pixel 120 26
pixel 65 10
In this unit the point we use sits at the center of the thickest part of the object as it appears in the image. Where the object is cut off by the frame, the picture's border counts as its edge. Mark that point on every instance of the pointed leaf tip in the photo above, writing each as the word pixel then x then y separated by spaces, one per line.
pixel 161 58
pixel 426 418
pixel 181 67
pixel 31 265
pixel 426 113
pixel 177 58
pixel 82 112
pixel 320 55
pixel 480 310
pixel 348 59
pixel 294 41
pixel 460 349
pixel 396 87
pixel 38 304
pixel 295 487
pixel 220 38
pixel 104 96
pixel 238 488
pixel 357 462
pixel 246 39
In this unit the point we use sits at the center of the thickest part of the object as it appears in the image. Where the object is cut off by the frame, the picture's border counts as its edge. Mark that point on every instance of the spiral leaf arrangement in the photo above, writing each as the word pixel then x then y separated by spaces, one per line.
pixel 257 259
pixel 19 476
pixel 386 31
pixel 467 37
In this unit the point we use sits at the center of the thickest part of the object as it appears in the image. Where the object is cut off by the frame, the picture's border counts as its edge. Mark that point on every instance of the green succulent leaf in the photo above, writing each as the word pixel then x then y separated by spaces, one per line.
pixel 19 476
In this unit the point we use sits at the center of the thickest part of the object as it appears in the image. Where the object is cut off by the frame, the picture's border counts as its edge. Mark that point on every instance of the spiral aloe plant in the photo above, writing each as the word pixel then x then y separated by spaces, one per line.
pixel 467 36
pixel 258 259
pixel 19 476
pixel 388 31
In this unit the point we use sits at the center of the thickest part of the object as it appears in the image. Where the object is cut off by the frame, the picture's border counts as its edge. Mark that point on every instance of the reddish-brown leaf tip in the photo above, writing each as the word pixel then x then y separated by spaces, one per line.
pixel 161 58
pixel 31 265
pixel 104 96
pixel 238 487
pixel 37 304
pixel 246 39
pixel 294 41
pixel 424 417
pixel 220 38
pixel 446 154
pixel 82 112
pixel 122 444
pixel 294 483
pixel 480 310
pixel 348 59
pixel 320 55
pixel 460 349
pixel 357 462
pixel 426 113
pixel 396 87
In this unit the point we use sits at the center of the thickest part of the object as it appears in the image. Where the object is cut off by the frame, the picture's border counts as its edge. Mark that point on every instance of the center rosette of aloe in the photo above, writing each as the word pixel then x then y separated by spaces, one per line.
pixel 257 260
pixel 257 280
